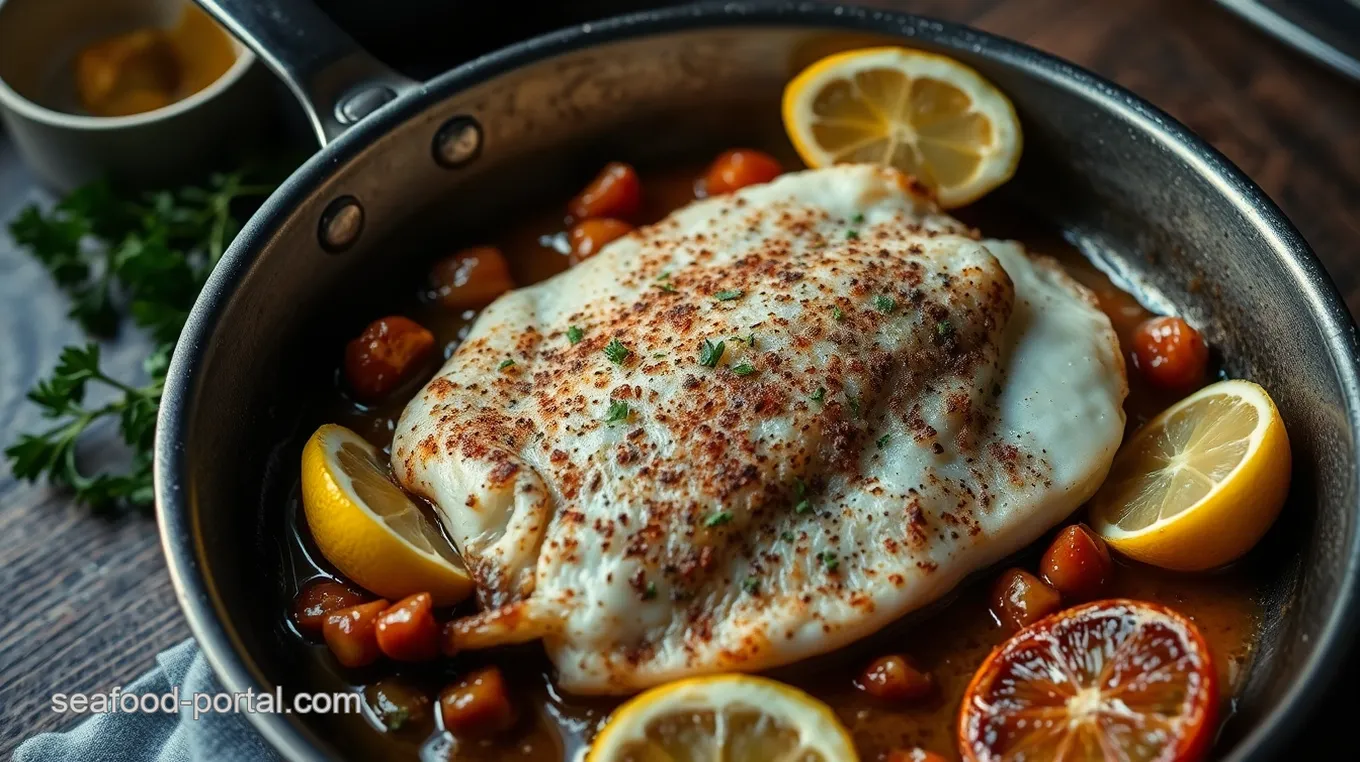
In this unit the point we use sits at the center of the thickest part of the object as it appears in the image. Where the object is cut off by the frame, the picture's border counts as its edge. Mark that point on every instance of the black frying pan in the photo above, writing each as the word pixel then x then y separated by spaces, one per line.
pixel 406 162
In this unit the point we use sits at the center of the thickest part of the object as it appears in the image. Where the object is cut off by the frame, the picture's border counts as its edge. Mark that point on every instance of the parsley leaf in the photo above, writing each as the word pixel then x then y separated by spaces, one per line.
pixel 650 592
pixel 729 295
pixel 882 441
pixel 857 219
pixel 944 331
pixel 506 363
pixel 616 351
pixel 818 395
pixel 618 411
pixel 828 560
pixel 575 334
pixel 119 256
pixel 885 304
pixel 710 353
pixel 396 718
pixel 718 519
pixel 837 315
pixel 743 369
pixel 751 585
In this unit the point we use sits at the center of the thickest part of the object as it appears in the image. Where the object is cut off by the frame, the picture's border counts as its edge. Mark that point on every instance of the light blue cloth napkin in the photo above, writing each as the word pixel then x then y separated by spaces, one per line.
pixel 158 736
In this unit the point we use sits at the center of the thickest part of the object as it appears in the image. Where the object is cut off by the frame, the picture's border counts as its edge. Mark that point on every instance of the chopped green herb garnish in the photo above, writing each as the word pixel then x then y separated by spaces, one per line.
pixel 818 395
pixel 575 334
pixel 618 411
pixel 799 487
pixel 658 355
pixel 885 304
pixel 650 592
pixel 666 286
pixel 803 506
pixel 882 441
pixel 944 330
pixel 616 351
pixel 396 718
pixel 710 353
pixel 828 560
pixel 750 585
pixel 852 234
pixel 857 219
pixel 718 519
pixel 836 314
pixel 743 369
pixel 729 295
pixel 506 363
pixel 786 536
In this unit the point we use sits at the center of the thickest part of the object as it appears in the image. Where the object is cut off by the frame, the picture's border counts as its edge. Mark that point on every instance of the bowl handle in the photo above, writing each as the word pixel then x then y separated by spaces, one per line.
pixel 337 82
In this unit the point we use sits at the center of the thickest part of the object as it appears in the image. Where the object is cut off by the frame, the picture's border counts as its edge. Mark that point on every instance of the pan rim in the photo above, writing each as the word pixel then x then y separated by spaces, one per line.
pixel 177 521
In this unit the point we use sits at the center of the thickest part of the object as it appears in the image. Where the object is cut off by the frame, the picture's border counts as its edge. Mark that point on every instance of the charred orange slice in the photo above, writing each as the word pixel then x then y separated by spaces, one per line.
pixel 1112 680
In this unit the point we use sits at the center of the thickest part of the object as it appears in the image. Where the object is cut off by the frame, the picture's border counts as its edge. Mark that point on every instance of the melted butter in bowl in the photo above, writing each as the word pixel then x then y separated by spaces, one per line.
pixel 152 67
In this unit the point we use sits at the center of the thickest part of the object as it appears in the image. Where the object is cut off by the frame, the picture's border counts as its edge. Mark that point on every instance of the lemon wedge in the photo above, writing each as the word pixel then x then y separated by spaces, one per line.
pixel 723 718
pixel 1198 485
pixel 368 528
pixel 927 115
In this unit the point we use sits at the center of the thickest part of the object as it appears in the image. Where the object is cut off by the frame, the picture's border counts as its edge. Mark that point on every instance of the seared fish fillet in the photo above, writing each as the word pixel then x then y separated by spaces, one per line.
pixel 896 404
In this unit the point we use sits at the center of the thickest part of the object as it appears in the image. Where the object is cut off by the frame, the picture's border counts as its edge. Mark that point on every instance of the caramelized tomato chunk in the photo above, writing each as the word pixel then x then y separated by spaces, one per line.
pixel 471 279
pixel 398 703
pixel 589 236
pixel 739 168
pixel 477 705
pixel 893 678
pixel 914 755
pixel 1170 353
pixel 317 599
pixel 1077 564
pixel 389 352
pixel 1020 599
pixel 351 634
pixel 615 192
pixel 407 631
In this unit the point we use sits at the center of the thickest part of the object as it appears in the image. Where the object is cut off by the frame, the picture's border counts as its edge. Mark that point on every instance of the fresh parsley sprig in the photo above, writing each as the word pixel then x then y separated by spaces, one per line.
pixel 117 256
pixel 52 452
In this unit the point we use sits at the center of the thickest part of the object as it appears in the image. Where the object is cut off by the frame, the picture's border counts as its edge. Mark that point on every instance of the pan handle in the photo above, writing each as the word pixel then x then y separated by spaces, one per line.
pixel 337 82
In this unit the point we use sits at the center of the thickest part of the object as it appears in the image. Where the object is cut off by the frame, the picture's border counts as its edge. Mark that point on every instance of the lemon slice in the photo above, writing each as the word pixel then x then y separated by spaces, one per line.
pixel 929 116
pixel 1198 485
pixel 368 528
pixel 724 718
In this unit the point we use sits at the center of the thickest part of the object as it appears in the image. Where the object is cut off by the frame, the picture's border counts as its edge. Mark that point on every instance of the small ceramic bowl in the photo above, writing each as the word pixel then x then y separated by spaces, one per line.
pixel 38 42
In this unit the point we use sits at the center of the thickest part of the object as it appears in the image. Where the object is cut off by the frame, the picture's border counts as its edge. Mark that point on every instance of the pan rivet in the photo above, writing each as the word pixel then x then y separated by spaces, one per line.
pixel 341 224
pixel 458 142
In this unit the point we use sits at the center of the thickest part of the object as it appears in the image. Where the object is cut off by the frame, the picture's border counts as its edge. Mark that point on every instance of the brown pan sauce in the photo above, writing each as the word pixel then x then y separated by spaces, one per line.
pixel 552 727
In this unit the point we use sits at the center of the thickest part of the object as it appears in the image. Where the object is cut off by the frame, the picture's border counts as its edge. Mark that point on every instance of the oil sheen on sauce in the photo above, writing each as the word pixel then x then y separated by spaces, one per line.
pixel 553 727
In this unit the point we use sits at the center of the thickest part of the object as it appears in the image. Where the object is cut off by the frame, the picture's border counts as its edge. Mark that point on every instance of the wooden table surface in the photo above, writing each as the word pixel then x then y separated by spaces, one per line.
pixel 86 601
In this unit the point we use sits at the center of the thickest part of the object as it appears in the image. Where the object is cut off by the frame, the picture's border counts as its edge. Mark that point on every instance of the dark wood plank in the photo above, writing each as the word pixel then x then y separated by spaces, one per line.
pixel 1289 123
pixel 87 601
